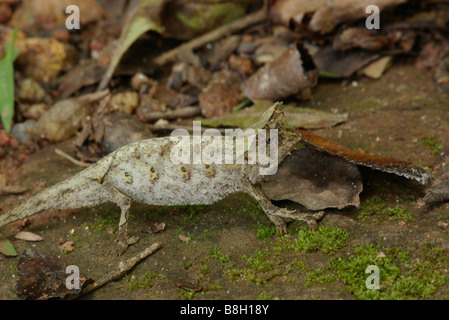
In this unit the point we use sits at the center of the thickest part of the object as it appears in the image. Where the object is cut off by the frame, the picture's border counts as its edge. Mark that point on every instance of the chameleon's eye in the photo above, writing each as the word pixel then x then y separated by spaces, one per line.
pixel 268 140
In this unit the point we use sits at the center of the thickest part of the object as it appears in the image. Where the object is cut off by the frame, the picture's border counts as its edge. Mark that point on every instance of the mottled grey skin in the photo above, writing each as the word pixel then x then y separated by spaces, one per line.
pixel 143 171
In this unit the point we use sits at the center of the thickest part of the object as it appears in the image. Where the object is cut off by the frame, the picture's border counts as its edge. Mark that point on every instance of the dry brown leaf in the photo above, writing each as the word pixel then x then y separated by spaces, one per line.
pixel 315 181
pixel 28 236
pixel 289 74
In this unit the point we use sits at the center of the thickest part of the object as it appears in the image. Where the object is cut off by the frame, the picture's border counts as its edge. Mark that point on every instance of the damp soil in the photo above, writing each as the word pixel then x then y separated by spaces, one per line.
pixel 233 252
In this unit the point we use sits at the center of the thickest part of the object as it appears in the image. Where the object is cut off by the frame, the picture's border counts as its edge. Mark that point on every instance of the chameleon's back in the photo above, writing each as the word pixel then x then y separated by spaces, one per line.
pixel 145 171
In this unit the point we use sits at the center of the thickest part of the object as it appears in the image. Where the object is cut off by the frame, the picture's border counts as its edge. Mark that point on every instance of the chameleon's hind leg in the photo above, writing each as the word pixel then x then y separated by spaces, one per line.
pixel 280 216
pixel 124 203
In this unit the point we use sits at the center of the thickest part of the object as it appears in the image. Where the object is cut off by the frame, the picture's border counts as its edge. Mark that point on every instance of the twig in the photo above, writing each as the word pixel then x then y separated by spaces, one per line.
pixel 123 268
pixel 94 96
pixel 172 127
pixel 214 35
pixel 77 162
pixel 185 112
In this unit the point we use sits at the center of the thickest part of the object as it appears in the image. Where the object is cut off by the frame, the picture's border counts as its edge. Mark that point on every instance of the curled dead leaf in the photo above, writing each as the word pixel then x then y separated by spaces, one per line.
pixel 292 72
pixel 315 180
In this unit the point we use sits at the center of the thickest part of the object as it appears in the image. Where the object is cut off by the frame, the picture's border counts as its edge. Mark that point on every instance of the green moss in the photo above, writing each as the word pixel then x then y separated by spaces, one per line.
pixel 261 262
pixel 264 265
pixel 327 239
pixel 186 294
pixel 253 208
pixel 213 287
pixel 433 144
pixel 235 273
pixel 318 276
pixel 398 213
pixel 264 232
pixel 186 265
pixel 370 207
pixel 299 265
pixel 102 224
pixel 215 253
pixel 264 296
pixel 375 206
pixel 204 269
pixel 191 213
pixel 399 277
pixel 147 281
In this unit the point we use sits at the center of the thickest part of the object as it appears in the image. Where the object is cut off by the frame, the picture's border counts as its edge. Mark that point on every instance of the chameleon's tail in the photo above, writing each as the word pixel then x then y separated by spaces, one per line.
pixel 28 208
pixel 69 194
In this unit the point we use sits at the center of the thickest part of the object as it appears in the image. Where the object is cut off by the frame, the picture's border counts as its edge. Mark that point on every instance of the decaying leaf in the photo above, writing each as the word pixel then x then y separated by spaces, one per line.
pixel 341 63
pixel 438 188
pixel 315 180
pixel 325 15
pixel 289 74
pixel 43 277
pixel 298 117
pixel 400 168
pixel 67 246
pixel 221 95
pixel 326 18
pixel 121 129
pixel 82 75
pixel 360 38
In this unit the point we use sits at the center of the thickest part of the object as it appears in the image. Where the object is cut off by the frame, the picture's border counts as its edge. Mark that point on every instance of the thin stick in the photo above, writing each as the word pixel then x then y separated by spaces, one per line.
pixel 214 35
pixel 94 96
pixel 172 127
pixel 185 112
pixel 77 162
pixel 123 268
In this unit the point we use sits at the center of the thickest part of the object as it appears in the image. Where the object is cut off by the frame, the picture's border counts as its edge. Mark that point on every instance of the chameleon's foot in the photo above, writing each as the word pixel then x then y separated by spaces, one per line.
pixel 133 240
pixel 309 218
pixel 123 246
pixel 281 228
pixel 280 223
pixel 121 249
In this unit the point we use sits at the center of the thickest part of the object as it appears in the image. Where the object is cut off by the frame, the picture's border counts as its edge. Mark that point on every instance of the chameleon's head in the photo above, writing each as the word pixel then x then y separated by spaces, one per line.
pixel 281 139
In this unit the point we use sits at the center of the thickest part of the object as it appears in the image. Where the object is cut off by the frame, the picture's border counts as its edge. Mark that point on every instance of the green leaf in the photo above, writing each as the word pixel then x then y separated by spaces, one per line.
pixel 7 84
pixel 144 18
pixel 7 248
pixel 306 118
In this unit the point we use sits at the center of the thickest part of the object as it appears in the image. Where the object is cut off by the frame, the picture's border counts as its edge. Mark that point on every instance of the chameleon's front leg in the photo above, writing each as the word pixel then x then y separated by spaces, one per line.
pixel 125 204
pixel 279 216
